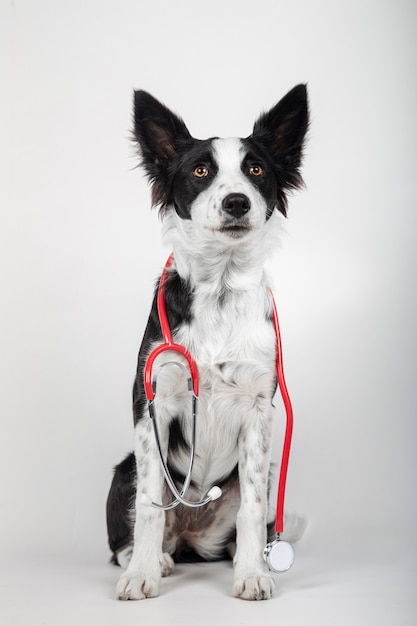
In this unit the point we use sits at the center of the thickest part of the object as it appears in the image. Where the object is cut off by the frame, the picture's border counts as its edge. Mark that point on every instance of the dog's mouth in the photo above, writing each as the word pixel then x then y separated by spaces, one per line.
pixel 236 228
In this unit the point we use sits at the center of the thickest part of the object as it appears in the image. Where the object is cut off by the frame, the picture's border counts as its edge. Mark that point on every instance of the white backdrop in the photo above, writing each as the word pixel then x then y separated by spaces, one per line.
pixel 80 247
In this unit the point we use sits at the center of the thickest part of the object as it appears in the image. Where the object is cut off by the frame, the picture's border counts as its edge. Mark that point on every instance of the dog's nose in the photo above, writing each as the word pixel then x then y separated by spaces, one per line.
pixel 236 204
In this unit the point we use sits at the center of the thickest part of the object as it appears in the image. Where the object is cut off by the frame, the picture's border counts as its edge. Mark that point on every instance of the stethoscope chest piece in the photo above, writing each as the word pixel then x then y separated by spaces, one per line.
pixel 279 555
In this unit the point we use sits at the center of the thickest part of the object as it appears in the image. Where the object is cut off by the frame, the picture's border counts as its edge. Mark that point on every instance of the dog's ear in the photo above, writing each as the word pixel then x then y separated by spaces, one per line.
pixel 158 133
pixel 282 132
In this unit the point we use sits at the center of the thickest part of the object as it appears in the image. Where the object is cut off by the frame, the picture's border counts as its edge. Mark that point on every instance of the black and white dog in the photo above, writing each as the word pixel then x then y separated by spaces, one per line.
pixel 220 201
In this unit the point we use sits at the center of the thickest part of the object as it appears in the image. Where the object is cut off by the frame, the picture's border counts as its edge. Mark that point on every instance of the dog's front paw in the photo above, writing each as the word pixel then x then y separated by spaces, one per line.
pixel 258 586
pixel 137 586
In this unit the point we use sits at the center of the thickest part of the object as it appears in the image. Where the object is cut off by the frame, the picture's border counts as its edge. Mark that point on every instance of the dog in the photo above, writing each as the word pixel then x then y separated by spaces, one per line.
pixel 222 203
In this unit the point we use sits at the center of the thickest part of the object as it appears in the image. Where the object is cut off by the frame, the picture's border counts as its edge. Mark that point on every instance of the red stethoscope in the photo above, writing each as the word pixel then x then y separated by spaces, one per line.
pixel 278 554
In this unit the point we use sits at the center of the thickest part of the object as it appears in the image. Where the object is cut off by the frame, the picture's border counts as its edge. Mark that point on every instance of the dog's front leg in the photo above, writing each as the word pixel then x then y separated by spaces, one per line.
pixel 142 577
pixel 252 578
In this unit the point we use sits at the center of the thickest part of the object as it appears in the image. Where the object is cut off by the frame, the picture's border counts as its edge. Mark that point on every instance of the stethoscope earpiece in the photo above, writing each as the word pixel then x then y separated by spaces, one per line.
pixel 279 556
pixel 145 500
pixel 214 493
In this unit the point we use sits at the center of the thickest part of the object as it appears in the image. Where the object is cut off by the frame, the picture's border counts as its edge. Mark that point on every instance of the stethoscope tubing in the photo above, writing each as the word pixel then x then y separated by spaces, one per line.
pixel 169 346
pixel 286 448
pixel 179 495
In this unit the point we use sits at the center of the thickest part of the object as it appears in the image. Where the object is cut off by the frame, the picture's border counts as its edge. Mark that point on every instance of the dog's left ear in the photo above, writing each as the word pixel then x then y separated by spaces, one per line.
pixel 282 132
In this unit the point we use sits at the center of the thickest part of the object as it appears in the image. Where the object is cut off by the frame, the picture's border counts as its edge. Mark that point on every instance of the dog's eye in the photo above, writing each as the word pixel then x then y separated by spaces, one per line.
pixel 256 170
pixel 201 171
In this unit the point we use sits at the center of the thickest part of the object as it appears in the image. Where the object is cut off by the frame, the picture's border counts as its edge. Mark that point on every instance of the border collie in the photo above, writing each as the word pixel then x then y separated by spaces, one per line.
pixel 220 201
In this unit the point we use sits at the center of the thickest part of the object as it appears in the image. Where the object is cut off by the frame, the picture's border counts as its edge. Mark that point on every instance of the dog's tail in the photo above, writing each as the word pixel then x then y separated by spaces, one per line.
pixel 295 526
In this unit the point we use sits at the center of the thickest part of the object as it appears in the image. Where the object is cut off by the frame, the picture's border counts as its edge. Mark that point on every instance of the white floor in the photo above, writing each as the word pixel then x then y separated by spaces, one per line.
pixel 332 583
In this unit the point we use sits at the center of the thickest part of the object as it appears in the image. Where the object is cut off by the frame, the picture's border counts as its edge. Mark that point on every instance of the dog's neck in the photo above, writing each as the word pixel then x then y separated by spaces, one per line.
pixel 221 265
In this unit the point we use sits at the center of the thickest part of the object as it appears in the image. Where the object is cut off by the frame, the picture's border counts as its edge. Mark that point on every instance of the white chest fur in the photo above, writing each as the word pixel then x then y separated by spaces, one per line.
pixel 232 340
pixel 233 327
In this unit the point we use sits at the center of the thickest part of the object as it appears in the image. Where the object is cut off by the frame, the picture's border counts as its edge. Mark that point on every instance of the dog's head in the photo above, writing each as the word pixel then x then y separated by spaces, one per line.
pixel 227 188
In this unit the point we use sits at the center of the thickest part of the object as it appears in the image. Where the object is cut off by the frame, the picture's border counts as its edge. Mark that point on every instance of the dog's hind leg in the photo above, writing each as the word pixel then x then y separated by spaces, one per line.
pixel 148 563
pixel 120 511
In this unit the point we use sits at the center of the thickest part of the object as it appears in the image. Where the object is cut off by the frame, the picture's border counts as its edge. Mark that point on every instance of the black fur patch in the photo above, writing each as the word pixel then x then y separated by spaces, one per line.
pixel 120 501
pixel 178 300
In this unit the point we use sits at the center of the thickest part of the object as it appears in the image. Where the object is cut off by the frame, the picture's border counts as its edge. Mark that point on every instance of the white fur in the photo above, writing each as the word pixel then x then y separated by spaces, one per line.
pixel 233 344
pixel 207 213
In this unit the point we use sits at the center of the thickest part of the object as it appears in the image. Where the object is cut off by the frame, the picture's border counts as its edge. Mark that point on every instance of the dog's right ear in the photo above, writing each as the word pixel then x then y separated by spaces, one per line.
pixel 158 133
